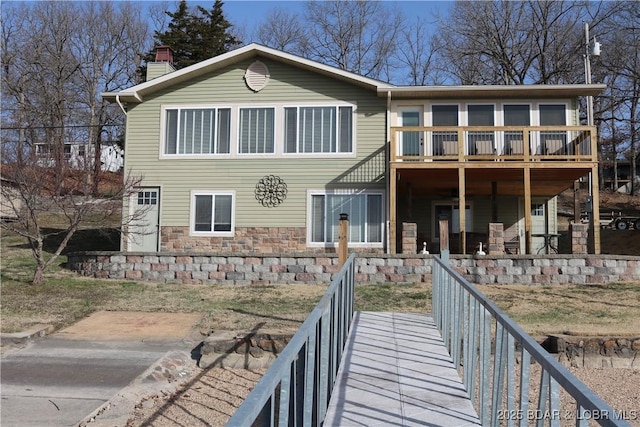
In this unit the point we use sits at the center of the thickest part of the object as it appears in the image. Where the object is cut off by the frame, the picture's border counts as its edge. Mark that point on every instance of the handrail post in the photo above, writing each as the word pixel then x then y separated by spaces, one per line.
pixel 343 239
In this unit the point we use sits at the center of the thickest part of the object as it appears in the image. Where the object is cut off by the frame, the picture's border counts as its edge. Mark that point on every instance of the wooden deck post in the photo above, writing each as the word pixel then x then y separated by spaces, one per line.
pixel 595 214
pixel 462 210
pixel 528 245
pixel 343 239
pixel 444 240
pixel 392 209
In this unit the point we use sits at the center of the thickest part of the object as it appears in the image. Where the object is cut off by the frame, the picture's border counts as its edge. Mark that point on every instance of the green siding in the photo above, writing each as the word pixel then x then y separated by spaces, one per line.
pixel 287 84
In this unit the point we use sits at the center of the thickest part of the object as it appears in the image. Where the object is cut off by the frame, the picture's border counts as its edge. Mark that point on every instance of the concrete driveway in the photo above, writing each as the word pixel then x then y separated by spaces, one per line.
pixel 92 372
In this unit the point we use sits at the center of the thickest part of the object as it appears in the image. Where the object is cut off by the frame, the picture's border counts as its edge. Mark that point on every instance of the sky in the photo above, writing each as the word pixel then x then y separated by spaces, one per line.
pixel 249 13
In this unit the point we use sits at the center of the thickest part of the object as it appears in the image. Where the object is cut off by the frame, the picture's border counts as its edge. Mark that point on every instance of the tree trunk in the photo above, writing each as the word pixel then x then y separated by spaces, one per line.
pixel 38 275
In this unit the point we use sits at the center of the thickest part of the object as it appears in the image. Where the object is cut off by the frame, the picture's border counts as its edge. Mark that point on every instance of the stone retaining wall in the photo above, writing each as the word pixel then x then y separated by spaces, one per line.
pixel 239 269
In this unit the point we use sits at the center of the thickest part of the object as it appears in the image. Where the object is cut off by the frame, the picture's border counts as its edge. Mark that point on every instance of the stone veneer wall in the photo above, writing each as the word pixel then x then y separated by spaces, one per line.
pixel 240 269
pixel 247 241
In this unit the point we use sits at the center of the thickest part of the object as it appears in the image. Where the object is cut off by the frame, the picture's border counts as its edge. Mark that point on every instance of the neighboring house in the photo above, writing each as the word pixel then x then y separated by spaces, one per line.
pixel 10 201
pixel 79 153
pixel 257 150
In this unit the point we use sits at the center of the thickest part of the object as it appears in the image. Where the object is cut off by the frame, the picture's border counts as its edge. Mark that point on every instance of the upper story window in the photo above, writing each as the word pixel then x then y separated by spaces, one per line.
pixel 552 115
pixel 318 129
pixel 480 115
pixel 197 131
pixel 256 133
pixel 516 115
pixel 444 115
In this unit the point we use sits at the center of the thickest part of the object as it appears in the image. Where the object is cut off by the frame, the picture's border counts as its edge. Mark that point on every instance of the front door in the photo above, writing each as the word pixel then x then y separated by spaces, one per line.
pixel 539 225
pixel 411 143
pixel 143 232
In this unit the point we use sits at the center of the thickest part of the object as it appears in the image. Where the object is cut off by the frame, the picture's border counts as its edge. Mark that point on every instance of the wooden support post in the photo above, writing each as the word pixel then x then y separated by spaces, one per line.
pixel 494 201
pixel 444 240
pixel 393 180
pixel 576 201
pixel 462 211
pixel 595 205
pixel 528 245
pixel 343 238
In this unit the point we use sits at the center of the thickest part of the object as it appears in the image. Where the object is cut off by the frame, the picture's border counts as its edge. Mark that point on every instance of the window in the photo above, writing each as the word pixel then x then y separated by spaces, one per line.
pixel 552 115
pixel 553 142
pixel 318 129
pixel 197 131
pixel 537 209
pixel 445 142
pixel 67 152
pixel 147 197
pixel 365 217
pixel 212 213
pixel 256 134
pixel 481 142
pixel 515 115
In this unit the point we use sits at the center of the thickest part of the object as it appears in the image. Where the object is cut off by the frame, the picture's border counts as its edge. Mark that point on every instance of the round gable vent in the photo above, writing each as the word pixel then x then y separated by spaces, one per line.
pixel 257 76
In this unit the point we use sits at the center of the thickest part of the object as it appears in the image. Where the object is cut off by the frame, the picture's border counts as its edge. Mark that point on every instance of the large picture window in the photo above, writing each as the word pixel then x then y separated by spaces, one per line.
pixel 212 213
pixel 318 129
pixel 256 134
pixel 365 212
pixel 197 131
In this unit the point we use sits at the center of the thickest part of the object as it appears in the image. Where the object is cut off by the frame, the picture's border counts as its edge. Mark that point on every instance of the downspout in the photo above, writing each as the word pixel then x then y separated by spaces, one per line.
pixel 120 105
pixel 387 167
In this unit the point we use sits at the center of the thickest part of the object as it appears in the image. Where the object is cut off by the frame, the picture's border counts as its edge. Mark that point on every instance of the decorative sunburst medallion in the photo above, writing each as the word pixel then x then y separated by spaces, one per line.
pixel 271 191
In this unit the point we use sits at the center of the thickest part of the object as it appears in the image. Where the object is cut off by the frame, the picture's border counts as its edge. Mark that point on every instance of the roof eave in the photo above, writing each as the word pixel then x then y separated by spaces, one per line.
pixel 493 91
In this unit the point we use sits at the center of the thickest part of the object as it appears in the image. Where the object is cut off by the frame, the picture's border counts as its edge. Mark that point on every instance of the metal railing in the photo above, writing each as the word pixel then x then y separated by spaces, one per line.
pixel 487 346
pixel 296 389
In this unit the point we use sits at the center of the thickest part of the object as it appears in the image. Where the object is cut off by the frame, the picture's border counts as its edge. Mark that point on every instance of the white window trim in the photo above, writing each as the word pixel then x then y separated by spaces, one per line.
pixel 336 105
pixel 311 193
pixel 163 131
pixel 192 213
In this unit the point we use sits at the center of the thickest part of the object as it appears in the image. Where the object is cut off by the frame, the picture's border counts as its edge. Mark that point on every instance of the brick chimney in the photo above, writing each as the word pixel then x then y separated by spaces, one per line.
pixel 163 63
pixel 164 54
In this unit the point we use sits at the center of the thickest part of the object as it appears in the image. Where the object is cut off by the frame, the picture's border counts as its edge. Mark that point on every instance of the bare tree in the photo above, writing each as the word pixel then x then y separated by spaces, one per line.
pixel 357 36
pixel 282 30
pixel 619 67
pixel 417 52
pixel 56 59
pixel 503 42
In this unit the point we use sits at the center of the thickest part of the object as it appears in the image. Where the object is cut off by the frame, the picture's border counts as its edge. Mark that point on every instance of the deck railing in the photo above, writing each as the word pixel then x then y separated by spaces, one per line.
pixel 508 143
pixel 492 351
pixel 296 389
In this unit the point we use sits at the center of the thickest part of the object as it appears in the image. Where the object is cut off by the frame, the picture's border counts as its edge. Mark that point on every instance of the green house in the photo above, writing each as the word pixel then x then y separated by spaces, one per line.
pixel 260 151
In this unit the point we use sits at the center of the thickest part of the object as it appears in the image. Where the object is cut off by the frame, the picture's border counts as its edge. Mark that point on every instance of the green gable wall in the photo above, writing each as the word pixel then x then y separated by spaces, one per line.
pixel 287 84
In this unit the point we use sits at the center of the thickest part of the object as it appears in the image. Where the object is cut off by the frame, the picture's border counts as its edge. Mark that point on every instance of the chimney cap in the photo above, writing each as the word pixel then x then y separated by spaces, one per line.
pixel 164 54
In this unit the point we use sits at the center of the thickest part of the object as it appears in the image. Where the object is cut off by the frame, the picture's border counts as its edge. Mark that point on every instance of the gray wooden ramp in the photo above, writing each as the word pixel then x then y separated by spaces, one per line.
pixel 396 371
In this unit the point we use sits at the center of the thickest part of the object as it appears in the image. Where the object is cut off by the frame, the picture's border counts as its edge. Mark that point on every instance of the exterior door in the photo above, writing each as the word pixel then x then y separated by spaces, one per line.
pixel 411 142
pixel 143 235
pixel 538 225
